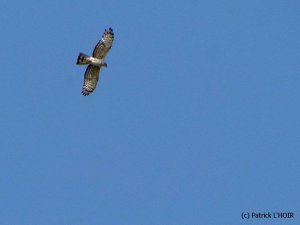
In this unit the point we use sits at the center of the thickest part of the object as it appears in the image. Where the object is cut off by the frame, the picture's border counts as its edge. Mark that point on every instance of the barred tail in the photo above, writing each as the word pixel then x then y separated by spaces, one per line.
pixel 82 59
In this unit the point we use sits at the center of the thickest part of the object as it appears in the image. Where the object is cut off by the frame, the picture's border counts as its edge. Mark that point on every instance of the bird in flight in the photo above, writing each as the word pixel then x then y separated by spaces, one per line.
pixel 95 62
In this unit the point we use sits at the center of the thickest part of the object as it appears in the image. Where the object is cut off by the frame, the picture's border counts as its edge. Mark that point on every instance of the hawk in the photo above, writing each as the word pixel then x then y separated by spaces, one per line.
pixel 95 62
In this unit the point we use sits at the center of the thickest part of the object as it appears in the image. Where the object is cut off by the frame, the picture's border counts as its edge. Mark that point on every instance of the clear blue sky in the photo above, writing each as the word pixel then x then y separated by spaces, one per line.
pixel 195 120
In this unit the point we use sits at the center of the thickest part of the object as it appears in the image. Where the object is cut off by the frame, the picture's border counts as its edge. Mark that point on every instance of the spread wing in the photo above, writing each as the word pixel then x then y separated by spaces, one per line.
pixel 104 45
pixel 91 77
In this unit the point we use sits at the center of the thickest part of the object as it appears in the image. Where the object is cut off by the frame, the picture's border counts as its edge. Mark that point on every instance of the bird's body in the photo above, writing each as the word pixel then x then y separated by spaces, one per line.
pixel 84 59
pixel 95 62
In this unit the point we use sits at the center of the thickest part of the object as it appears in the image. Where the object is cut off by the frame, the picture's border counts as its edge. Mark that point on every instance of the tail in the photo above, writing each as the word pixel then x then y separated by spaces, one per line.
pixel 82 59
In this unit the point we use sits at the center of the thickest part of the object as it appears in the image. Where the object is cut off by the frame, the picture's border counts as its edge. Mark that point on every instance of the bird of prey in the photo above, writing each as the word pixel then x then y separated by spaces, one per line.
pixel 95 62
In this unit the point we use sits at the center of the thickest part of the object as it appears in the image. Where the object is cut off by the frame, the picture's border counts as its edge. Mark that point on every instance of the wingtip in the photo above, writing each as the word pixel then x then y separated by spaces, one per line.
pixel 85 93
pixel 109 30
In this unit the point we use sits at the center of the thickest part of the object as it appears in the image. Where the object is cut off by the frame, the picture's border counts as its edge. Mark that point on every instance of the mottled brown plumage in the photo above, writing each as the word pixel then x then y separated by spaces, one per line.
pixel 91 75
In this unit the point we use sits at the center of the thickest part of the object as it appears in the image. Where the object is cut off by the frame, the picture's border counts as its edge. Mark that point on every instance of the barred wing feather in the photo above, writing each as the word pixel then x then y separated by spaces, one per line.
pixel 91 77
pixel 104 45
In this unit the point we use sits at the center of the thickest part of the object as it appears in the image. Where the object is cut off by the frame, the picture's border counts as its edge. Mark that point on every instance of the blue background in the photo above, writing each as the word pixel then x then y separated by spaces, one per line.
pixel 195 120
